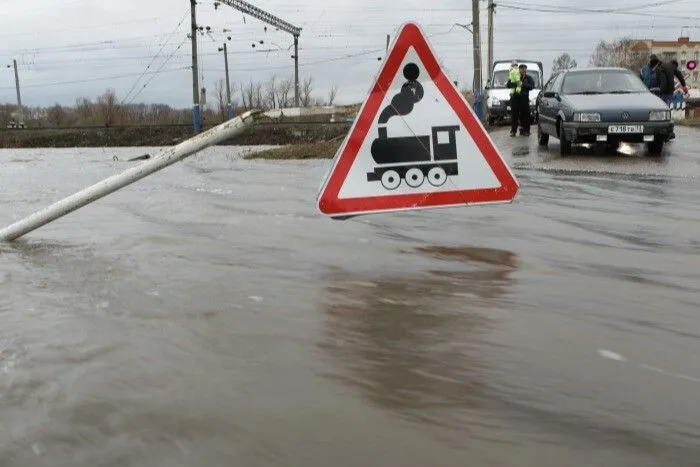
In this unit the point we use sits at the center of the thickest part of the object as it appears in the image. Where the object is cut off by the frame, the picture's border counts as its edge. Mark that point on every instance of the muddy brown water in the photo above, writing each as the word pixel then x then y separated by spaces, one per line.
pixel 208 316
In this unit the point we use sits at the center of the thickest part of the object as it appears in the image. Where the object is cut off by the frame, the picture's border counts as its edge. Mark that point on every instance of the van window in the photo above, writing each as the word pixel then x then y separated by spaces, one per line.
pixel 500 78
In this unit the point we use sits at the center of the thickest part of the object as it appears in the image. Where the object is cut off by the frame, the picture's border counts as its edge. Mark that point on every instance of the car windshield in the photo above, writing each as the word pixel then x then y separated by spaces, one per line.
pixel 500 78
pixel 602 82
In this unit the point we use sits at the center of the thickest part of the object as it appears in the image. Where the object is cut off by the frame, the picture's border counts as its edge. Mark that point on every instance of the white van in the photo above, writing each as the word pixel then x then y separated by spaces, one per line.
pixel 498 95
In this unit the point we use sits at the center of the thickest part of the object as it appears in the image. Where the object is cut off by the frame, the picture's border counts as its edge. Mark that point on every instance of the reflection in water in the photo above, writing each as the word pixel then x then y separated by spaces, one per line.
pixel 48 262
pixel 652 189
pixel 409 342
pixel 521 151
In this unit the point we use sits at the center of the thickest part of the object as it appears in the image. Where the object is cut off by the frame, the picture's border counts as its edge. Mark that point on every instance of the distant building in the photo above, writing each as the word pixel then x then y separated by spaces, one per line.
pixel 682 50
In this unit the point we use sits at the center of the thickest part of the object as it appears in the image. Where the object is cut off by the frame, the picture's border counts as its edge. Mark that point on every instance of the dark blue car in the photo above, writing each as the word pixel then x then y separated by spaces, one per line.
pixel 601 106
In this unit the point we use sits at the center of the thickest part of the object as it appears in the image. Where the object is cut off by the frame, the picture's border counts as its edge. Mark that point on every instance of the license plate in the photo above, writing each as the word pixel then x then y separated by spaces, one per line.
pixel 626 129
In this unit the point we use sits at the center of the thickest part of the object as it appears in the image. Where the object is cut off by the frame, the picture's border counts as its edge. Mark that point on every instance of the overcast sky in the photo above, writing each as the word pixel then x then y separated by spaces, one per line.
pixel 71 48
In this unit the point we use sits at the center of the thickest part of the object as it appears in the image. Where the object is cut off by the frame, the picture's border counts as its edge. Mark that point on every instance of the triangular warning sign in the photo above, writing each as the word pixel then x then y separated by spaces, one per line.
pixel 415 143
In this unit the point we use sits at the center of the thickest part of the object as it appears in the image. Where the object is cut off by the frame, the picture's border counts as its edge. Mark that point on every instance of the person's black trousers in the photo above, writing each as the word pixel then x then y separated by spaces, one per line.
pixel 514 113
pixel 519 114
pixel 524 115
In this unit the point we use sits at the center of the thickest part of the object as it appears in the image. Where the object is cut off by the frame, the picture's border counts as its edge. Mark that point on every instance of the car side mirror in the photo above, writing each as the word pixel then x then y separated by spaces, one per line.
pixel 551 94
pixel 656 91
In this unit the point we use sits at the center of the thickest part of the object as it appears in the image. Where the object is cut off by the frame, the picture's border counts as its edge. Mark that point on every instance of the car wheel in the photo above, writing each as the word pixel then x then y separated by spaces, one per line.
pixel 655 147
pixel 491 121
pixel 543 138
pixel 612 147
pixel 564 144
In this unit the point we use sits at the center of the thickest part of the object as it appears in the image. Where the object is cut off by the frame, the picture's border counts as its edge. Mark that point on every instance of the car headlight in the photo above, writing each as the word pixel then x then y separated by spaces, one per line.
pixel 659 115
pixel 586 117
pixel 495 101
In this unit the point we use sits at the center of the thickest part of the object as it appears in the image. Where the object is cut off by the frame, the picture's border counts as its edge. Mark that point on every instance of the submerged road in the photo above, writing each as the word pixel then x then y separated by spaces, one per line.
pixel 208 316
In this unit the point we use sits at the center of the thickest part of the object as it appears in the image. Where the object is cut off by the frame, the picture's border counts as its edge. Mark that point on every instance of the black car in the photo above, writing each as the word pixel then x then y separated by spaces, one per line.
pixel 601 106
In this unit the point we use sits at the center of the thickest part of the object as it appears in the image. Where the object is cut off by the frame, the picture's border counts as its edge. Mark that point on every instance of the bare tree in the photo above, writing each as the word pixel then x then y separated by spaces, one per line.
pixel 271 92
pixel 306 88
pixel 83 109
pixel 603 54
pixel 56 115
pixel 617 53
pixel 628 58
pixel 564 62
pixel 107 104
pixel 244 102
pixel 259 99
pixel 275 92
pixel 331 94
pixel 248 95
pixel 284 89
pixel 221 97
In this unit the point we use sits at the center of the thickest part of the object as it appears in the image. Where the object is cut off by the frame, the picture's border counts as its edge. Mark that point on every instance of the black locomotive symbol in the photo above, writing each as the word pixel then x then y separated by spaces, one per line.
pixel 409 158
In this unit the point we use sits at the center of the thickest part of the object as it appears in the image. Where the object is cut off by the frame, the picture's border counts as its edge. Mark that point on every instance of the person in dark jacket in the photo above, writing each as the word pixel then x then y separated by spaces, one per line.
pixel 668 87
pixel 672 72
pixel 520 102
pixel 653 74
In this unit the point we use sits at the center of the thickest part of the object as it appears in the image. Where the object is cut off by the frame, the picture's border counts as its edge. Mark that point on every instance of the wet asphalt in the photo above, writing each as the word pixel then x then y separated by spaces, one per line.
pixel 209 316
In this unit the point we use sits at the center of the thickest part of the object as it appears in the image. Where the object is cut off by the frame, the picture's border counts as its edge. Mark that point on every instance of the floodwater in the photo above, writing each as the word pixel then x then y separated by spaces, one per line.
pixel 207 316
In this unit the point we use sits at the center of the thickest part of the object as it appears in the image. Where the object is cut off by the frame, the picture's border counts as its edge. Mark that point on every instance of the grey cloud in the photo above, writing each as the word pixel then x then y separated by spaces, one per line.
pixel 81 47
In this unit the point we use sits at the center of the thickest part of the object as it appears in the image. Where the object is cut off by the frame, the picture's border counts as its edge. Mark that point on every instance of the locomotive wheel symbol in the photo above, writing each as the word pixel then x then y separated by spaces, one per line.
pixel 391 179
pixel 437 176
pixel 414 177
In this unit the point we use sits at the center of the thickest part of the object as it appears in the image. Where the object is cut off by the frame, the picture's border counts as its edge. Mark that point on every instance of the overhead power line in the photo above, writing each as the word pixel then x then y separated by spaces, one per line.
pixel 569 10
pixel 276 22
pixel 88 80
pixel 354 40
pixel 157 71
pixel 92 26
pixel 156 56
pixel 627 8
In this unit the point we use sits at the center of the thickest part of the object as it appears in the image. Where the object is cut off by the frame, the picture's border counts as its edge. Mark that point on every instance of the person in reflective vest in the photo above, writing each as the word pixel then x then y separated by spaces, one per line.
pixel 520 101
pixel 514 76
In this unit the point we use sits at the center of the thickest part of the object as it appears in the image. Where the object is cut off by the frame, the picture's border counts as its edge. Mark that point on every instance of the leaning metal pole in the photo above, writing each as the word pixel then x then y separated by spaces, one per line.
pixel 165 158
pixel 115 182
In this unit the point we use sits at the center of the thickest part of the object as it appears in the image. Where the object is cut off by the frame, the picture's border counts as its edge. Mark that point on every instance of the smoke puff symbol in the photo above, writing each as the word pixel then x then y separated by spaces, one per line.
pixel 411 93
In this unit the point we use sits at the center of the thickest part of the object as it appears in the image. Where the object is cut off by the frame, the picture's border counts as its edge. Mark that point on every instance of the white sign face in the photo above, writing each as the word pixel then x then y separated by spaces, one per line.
pixel 415 144
pixel 415 141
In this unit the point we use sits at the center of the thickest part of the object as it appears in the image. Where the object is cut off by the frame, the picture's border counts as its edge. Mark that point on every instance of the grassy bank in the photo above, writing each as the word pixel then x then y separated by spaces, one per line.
pixel 268 134
pixel 313 150
pixel 694 122
pixel 316 150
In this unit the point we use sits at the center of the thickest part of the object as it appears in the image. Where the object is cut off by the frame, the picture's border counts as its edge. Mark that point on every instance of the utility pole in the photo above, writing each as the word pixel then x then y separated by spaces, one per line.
pixel 477 59
pixel 492 8
pixel 20 117
pixel 278 23
pixel 229 106
pixel 489 64
pixel 196 110
pixel 296 70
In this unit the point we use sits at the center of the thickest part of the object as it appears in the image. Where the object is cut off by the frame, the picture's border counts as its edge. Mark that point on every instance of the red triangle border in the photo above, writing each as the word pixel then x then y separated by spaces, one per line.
pixel 409 36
